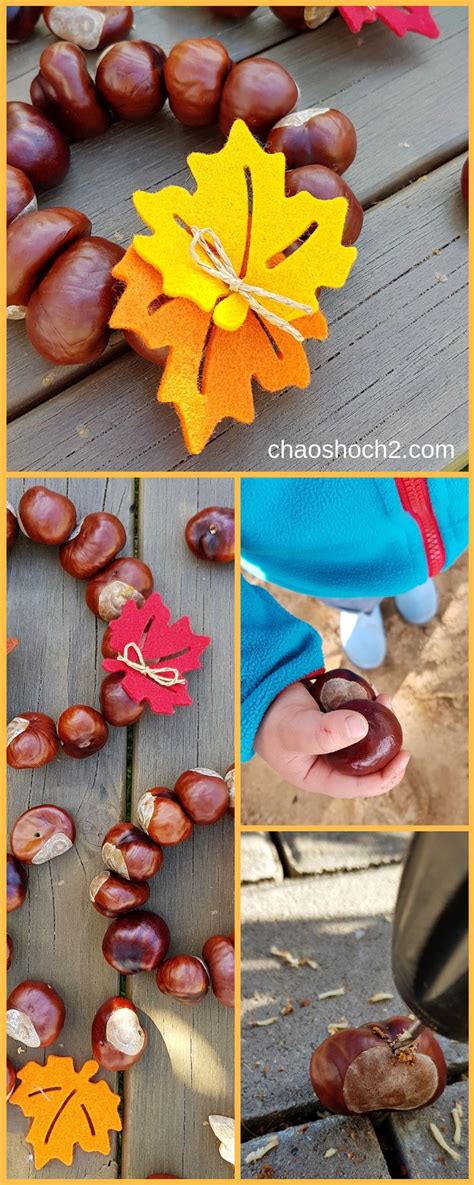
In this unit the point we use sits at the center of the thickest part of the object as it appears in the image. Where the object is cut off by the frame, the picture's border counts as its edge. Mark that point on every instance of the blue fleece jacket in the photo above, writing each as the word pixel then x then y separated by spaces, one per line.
pixel 328 537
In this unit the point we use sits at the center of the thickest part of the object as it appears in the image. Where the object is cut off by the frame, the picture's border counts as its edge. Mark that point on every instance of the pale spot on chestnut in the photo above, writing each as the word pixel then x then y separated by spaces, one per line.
pixel 124 1032
pixel 54 846
pixel 21 1028
pixel 113 858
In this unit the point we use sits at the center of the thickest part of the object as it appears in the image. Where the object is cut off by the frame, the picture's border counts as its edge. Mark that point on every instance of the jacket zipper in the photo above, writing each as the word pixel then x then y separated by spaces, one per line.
pixel 415 499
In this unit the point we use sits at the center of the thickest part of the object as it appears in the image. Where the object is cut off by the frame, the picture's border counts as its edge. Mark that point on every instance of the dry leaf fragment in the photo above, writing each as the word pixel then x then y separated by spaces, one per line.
pixel 66 1108
pixel 223 1128
pixel 441 277
pixel 287 1009
pixel 338 1026
pixel 260 1024
pixel 285 955
pixel 330 1152
pixel 259 1153
pixel 435 1132
pixel 305 962
pixel 379 997
pixel 340 991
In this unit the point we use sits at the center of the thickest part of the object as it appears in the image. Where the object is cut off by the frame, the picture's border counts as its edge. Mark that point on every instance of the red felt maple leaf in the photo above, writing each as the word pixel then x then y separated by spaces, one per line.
pixel 407 19
pixel 154 655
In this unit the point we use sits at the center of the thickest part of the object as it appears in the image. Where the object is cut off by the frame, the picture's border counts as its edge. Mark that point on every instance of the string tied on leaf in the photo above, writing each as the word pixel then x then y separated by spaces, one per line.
pixel 164 676
pixel 221 267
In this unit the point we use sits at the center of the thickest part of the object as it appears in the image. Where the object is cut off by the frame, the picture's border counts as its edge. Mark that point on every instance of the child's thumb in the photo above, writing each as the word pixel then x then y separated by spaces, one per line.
pixel 337 730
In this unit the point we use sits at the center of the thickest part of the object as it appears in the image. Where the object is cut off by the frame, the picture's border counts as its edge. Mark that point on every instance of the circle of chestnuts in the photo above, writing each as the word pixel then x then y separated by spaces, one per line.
pixel 342 688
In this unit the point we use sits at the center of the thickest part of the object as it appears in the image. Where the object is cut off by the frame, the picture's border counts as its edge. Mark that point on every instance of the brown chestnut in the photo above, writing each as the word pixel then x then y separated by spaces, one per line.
pixel 137 942
pixel 332 689
pixel 195 71
pixel 303 17
pixel 36 146
pixel 108 651
pixel 130 79
pixel 116 706
pixel 33 243
pixel 465 182
pixel 231 13
pixel 229 778
pixel 203 794
pixel 118 1040
pixel 21 197
pixel 218 953
pixel 112 895
pixel 32 741
pixel 21 21
pixel 130 853
pixel 380 745
pixel 95 543
pixel 9 951
pixel 12 526
pixel 323 136
pixel 158 356
pixel 258 91
pixel 17 883
pixel 11 1078
pixel 90 26
pixel 67 319
pixel 323 183
pixel 162 817
pixel 209 534
pixel 41 833
pixel 82 730
pixel 46 516
pixel 64 91
pixel 185 977
pixel 125 579
pixel 361 1070
pixel 35 1014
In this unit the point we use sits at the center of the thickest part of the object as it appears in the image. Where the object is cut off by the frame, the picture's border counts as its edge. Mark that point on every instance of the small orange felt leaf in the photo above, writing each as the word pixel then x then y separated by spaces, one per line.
pixel 11 644
pixel 67 1109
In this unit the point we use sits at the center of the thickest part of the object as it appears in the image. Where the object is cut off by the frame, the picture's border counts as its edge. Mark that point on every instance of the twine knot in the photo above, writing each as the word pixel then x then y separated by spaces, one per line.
pixel 164 676
pixel 221 268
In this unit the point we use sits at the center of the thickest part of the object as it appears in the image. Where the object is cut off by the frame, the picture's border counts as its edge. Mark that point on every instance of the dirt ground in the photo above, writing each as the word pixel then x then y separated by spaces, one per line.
pixel 425 672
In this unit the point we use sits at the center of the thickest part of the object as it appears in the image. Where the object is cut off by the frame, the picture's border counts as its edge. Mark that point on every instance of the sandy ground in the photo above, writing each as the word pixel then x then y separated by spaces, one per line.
pixel 426 674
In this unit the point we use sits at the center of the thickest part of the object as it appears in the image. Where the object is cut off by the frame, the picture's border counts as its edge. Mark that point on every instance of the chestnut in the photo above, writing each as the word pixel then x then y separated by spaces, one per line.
pixel 21 21
pixel 32 741
pixel 111 894
pixel 108 651
pixel 218 954
pixel 137 942
pixel 158 356
pixel 302 17
pixel 132 854
pixel 94 544
pixel 323 136
pixel 185 977
pixel 21 197
pixel 17 883
pixel 125 579
pixel 118 1040
pixel 116 706
pixel 209 534
pixel 35 1014
pixel 11 1078
pixel 36 146
pixel 33 243
pixel 258 91
pixel 82 730
pixel 12 526
pixel 130 79
pixel 380 745
pixel 162 817
pixel 332 689
pixel 89 26
pixel 67 319
pixel 323 183
pixel 465 182
pixel 357 1071
pixel 41 833
pixel 64 91
pixel 9 951
pixel 195 71
pixel 229 778
pixel 231 12
pixel 203 794
pixel 46 516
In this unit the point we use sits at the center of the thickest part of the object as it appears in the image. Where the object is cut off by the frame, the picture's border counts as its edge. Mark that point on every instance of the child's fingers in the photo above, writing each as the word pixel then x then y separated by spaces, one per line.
pixel 307 730
pixel 322 778
pixel 386 700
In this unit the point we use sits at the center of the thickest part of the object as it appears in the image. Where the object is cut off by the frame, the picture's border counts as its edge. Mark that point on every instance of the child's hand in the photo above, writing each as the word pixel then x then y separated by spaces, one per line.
pixel 294 736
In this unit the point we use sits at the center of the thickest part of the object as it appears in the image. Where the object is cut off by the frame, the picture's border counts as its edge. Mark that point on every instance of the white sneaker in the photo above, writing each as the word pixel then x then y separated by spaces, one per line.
pixel 363 638
pixel 419 605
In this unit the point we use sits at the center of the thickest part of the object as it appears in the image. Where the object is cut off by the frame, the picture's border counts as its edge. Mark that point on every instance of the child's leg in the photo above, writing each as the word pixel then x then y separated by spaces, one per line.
pixel 419 605
pixel 361 629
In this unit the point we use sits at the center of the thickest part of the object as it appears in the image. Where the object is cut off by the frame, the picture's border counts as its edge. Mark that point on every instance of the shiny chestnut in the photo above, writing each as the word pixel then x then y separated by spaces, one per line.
pixel 89 26
pixel 358 1071
pixel 137 942
pixel 112 895
pixel 46 516
pixel 130 853
pixel 32 741
pixel 33 243
pixel 17 883
pixel 82 730
pixel 96 542
pixel 67 319
pixel 11 1078
pixel 36 146
pixel 130 79
pixel 107 650
pixel 41 833
pixel 118 1040
pixel 218 954
pixel 116 706
pixel 64 91
pixel 258 91
pixel 12 526
pixel 21 197
pixel 380 745
pixel 158 356
pixel 195 72
pixel 125 579
pixel 185 977
pixel 332 689
pixel 323 136
pixel 203 794
pixel 162 817
pixel 231 12
pixel 9 951
pixel 323 183
pixel 21 21
pixel 302 17
pixel 35 1014
pixel 209 534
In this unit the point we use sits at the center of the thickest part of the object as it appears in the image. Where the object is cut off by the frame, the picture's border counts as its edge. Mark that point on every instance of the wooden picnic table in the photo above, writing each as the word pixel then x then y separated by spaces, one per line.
pixel 186 1073
pixel 394 368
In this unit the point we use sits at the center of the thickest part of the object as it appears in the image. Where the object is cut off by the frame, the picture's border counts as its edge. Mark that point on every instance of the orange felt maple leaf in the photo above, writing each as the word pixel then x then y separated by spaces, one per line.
pixel 67 1109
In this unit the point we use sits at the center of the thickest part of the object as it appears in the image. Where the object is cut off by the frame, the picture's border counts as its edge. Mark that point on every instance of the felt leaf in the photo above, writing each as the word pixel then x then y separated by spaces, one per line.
pixel 407 19
pixel 208 373
pixel 145 637
pixel 67 1108
pixel 240 198
pixel 12 643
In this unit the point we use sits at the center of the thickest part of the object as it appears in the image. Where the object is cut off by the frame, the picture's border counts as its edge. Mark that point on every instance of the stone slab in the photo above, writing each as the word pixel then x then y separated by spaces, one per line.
pixel 420 1155
pixel 308 853
pixel 301 1152
pixel 259 859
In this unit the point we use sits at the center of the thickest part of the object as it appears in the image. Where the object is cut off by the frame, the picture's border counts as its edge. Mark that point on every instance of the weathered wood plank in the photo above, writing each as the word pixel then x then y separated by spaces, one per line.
pixel 394 367
pixel 186 1073
pixel 57 933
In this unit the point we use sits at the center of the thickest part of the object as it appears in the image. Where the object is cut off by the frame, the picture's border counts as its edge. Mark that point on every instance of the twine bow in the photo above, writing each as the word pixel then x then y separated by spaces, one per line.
pixel 164 676
pixel 221 268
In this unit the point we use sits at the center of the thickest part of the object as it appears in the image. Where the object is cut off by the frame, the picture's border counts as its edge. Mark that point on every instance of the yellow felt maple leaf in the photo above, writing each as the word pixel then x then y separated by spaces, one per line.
pixel 67 1109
